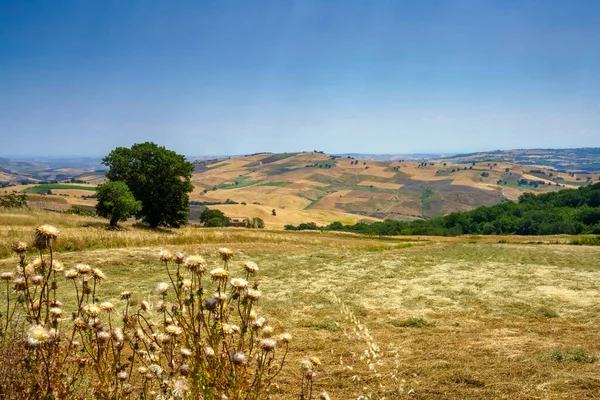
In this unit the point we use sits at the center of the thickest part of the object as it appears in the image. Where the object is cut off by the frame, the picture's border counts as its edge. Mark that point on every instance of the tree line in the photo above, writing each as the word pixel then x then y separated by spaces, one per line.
pixel 570 211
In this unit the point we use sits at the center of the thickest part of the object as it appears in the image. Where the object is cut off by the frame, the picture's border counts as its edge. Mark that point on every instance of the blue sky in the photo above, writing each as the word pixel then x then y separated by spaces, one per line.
pixel 237 77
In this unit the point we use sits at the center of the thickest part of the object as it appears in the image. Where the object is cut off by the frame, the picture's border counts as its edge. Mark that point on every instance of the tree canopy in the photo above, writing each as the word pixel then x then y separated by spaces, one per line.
pixel 116 202
pixel 213 218
pixel 157 177
pixel 571 211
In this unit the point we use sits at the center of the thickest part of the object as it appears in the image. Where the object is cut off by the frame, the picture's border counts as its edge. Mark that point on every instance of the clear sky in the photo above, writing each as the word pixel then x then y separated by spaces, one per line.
pixel 237 77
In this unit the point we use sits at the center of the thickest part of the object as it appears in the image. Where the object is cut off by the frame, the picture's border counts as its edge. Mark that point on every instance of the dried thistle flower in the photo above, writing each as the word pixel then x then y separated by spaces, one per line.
pixel 118 335
pixel 239 358
pixel 97 274
pixel 286 337
pixel 36 280
pixel 259 322
pixel 165 256
pixel 103 336
pixel 20 247
pixel 125 295
pixel 162 287
pixel 161 306
pixel 209 352
pixel 56 311
pixel 91 310
pixel 186 284
pixel 7 276
pixel 144 305
pixel 219 274
pixel 57 266
pixel 174 330
pixel 185 352
pixel 253 295
pixel 268 344
pixel 37 335
pixel 315 361
pixel 179 257
pixel 71 274
pixel 267 331
pixel 196 264
pixel 225 253
pixel 324 396
pixel 45 235
pixel 20 284
pixel 107 306
pixel 239 283
pixel 83 269
pixel 251 267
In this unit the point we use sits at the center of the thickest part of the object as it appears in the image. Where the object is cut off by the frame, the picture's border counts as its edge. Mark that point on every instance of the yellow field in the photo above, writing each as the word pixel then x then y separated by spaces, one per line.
pixel 451 318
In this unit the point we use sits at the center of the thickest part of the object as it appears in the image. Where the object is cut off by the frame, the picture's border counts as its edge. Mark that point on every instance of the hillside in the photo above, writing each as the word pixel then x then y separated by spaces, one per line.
pixel 317 187
pixel 312 186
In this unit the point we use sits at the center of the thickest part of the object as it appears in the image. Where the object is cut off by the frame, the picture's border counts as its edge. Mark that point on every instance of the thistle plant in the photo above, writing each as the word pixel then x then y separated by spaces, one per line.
pixel 204 338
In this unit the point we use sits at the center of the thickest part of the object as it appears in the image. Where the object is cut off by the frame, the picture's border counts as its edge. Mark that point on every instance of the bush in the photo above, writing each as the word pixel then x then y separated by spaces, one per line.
pixel 205 339
pixel 78 210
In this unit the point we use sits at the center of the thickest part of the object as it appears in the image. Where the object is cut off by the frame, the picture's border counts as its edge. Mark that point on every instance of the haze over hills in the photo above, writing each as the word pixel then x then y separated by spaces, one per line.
pixel 322 188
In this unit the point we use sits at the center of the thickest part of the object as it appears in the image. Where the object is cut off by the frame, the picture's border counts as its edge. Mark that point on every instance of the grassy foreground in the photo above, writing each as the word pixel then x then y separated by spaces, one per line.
pixel 458 318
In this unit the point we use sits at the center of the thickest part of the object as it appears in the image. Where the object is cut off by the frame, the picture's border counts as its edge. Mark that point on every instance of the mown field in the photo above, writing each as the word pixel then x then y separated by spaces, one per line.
pixel 456 318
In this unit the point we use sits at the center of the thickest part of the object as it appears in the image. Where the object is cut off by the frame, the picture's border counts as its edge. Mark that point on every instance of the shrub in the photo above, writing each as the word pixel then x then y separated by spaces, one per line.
pixel 204 340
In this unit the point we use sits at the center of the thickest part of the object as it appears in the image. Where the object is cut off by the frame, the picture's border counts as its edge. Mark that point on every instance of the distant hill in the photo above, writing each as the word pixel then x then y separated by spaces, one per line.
pixel 586 159
pixel 322 188
pixel 313 186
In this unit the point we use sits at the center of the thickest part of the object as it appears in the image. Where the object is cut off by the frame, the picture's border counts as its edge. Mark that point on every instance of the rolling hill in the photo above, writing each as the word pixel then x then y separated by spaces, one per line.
pixel 321 188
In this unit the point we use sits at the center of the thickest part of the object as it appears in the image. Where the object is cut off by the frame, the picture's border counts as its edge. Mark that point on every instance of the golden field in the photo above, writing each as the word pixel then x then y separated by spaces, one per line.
pixel 456 318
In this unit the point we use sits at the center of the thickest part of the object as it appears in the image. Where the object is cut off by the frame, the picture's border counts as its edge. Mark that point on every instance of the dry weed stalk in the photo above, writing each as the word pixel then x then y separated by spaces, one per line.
pixel 203 339
pixel 370 361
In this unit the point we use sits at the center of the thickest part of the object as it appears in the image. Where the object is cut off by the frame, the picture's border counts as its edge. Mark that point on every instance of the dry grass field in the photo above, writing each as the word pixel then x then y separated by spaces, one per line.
pixel 416 317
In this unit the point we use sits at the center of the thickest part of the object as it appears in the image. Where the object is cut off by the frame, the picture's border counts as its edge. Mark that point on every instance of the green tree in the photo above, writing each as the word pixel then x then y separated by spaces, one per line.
pixel 116 202
pixel 213 218
pixel 157 177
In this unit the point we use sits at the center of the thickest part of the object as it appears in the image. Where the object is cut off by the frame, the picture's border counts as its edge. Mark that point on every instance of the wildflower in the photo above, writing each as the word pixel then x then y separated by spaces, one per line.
pixel 161 306
pixel 127 389
pixel 253 295
pixel 144 305
pixel 253 315
pixel 37 335
pixel 174 330
pixel 118 335
pixel 45 235
pixel 162 288
pixel 315 361
pixel 186 284
pixel 107 306
pixel 71 274
pixel 35 305
pixel 285 338
pixel 36 280
pixel 19 247
pixel 195 264
pixel 179 257
pixel 55 303
pixel 57 266
pixel 239 283
pixel 185 352
pixel 222 296
pixel 103 336
pixel 91 310
pixel 209 352
pixel 97 274
pixel 219 274
pixel 125 295
pixel 155 369
pixel 180 388
pixel 122 376
pixel 324 396
pixel 267 331
pixel 79 322
pixel 225 253
pixel 227 330
pixel 83 269
pixel 165 256
pixel 53 334
pixel 56 311
pixel 251 267
pixel 184 369
pixel 211 304
pixel 143 370
pixel 268 344
pixel 306 365
pixel 6 276
pixel 239 358
pixel 162 338
pixel 259 322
